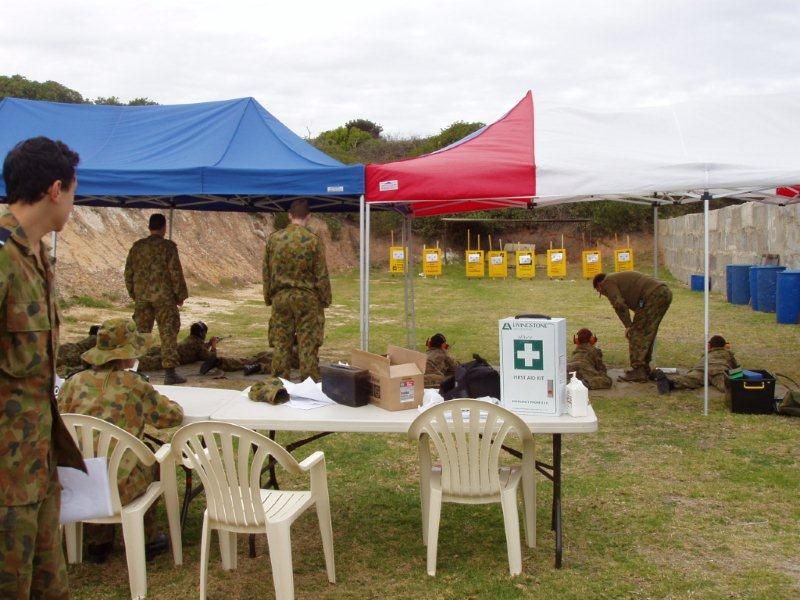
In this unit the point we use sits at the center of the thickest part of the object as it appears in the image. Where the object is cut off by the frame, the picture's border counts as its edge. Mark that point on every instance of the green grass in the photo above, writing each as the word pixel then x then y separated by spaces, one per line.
pixel 661 502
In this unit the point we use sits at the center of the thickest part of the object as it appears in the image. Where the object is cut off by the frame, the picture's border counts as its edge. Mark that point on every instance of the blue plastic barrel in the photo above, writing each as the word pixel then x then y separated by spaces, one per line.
pixel 753 285
pixel 766 281
pixel 737 283
pixel 787 297
pixel 696 283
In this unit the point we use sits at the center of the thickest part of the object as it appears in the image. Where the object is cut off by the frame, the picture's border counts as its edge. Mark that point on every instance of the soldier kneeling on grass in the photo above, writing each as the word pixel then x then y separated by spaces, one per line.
pixel 439 364
pixel 69 354
pixel 587 361
pixel 720 359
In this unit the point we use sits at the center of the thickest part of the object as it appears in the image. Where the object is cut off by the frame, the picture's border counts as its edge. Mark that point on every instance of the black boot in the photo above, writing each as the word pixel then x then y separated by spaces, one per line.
pixel 209 364
pixel 171 377
pixel 252 369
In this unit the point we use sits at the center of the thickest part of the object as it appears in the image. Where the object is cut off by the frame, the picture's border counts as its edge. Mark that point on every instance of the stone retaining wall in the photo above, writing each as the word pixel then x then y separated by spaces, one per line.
pixel 737 235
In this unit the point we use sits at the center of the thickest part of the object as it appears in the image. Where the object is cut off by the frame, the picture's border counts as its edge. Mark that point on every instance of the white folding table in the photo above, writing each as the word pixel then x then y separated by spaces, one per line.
pixel 234 407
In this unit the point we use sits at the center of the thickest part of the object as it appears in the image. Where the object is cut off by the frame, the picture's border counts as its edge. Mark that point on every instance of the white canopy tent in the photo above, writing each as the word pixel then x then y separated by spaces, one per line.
pixel 714 147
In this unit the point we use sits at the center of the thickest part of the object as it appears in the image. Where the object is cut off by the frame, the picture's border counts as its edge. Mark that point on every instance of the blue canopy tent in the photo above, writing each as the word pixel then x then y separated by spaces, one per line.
pixel 230 155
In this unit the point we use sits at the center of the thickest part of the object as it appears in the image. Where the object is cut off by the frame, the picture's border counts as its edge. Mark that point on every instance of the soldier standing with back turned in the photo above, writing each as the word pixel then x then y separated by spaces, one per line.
pixel 297 287
pixel 40 187
pixel 154 278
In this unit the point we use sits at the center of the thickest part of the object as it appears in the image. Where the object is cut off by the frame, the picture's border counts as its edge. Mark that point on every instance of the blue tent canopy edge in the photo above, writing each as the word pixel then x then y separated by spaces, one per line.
pixel 229 155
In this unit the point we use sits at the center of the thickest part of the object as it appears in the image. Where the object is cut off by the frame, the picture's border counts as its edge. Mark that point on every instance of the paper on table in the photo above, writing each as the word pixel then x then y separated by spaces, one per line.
pixel 305 395
pixel 85 496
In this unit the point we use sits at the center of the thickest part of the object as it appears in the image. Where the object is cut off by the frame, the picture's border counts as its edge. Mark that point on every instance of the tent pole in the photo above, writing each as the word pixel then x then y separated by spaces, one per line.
pixel 367 237
pixel 171 216
pixel 706 281
pixel 655 239
pixel 54 240
pixel 413 329
pixel 361 274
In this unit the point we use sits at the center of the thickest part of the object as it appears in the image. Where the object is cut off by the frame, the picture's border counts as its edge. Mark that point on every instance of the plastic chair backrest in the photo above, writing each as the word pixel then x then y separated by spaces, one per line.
pixel 468 436
pixel 98 438
pixel 229 460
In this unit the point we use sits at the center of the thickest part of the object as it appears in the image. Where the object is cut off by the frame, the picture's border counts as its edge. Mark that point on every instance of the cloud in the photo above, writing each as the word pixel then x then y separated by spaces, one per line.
pixel 412 66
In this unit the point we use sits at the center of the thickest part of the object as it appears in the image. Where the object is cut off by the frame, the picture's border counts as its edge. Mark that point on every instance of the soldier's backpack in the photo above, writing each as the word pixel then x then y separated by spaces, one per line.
pixel 474 379
pixel 790 404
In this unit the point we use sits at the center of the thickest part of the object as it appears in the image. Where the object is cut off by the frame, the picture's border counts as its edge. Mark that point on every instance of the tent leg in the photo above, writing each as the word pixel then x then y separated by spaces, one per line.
pixel 706 200
pixel 367 238
pixel 363 268
pixel 411 271
pixel 655 240
pixel 171 218
pixel 54 240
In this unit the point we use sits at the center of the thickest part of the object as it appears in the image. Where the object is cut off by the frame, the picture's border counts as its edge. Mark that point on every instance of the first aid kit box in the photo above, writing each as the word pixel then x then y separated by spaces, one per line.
pixel 533 364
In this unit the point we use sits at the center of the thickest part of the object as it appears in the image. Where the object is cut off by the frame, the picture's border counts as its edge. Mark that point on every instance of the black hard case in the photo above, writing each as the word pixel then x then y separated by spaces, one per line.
pixel 346 385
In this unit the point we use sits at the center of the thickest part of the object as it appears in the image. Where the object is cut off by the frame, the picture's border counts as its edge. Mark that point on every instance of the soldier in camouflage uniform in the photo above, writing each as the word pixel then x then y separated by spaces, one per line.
pixel 154 278
pixel 439 364
pixel 195 348
pixel 587 361
pixel 297 287
pixel 69 354
pixel 111 392
pixel 649 300
pixel 40 187
pixel 720 359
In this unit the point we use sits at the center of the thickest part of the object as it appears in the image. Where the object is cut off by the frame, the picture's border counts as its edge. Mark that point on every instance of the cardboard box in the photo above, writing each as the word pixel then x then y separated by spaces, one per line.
pixel 397 379
pixel 533 365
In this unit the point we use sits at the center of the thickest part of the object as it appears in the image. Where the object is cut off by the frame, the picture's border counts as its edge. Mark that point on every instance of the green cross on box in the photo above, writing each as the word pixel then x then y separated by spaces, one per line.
pixel 529 355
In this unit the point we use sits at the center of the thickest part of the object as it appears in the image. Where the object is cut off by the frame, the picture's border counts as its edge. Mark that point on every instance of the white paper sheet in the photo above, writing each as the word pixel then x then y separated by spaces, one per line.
pixel 85 496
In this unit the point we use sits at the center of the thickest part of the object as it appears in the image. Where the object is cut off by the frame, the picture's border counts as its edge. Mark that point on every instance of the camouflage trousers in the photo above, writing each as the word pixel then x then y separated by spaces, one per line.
pixel 591 377
pixel 643 332
pixel 296 313
pixel 31 558
pixel 237 364
pixel 169 324
pixel 129 489
pixel 694 379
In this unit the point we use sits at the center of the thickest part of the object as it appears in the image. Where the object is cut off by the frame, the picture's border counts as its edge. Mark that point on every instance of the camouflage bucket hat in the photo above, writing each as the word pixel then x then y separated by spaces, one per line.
pixel 270 390
pixel 117 339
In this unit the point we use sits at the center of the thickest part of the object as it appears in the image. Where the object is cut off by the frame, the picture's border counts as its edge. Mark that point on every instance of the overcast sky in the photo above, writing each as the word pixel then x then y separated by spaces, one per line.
pixel 412 66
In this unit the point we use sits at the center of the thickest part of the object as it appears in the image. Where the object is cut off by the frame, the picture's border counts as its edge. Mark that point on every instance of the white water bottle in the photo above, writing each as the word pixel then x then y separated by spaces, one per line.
pixel 577 397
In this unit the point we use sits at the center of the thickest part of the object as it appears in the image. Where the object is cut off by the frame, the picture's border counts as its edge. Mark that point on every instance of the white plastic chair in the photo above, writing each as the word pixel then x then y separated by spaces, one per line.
pixel 97 438
pixel 467 436
pixel 229 460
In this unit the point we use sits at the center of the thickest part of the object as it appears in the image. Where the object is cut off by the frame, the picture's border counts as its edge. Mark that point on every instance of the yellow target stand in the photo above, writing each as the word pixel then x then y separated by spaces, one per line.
pixel 473 260
pixel 473 264
pixel 623 259
pixel 525 263
pixel 557 263
pixel 397 260
pixel 498 264
pixel 592 263
pixel 431 262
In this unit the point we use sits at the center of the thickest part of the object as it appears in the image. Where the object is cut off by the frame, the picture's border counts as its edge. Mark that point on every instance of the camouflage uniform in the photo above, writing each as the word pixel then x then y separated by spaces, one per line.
pixel 193 349
pixel 587 363
pixel 33 438
pixel 155 283
pixel 649 300
pixel 297 287
pixel 719 361
pixel 127 400
pixel 69 355
pixel 438 367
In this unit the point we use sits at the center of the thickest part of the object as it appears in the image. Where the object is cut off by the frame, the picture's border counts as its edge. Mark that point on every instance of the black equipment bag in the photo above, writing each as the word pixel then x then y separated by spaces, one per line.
pixel 474 379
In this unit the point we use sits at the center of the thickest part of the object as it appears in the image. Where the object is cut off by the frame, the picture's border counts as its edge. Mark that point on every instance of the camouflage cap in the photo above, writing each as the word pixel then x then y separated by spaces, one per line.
pixel 270 390
pixel 117 339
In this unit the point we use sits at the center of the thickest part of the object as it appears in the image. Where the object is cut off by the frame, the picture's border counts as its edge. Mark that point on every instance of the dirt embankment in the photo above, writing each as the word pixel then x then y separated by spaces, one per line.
pixel 215 248
pixel 227 248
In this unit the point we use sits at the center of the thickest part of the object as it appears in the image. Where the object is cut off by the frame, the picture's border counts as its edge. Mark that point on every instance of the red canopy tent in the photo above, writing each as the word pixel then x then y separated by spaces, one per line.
pixel 492 168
